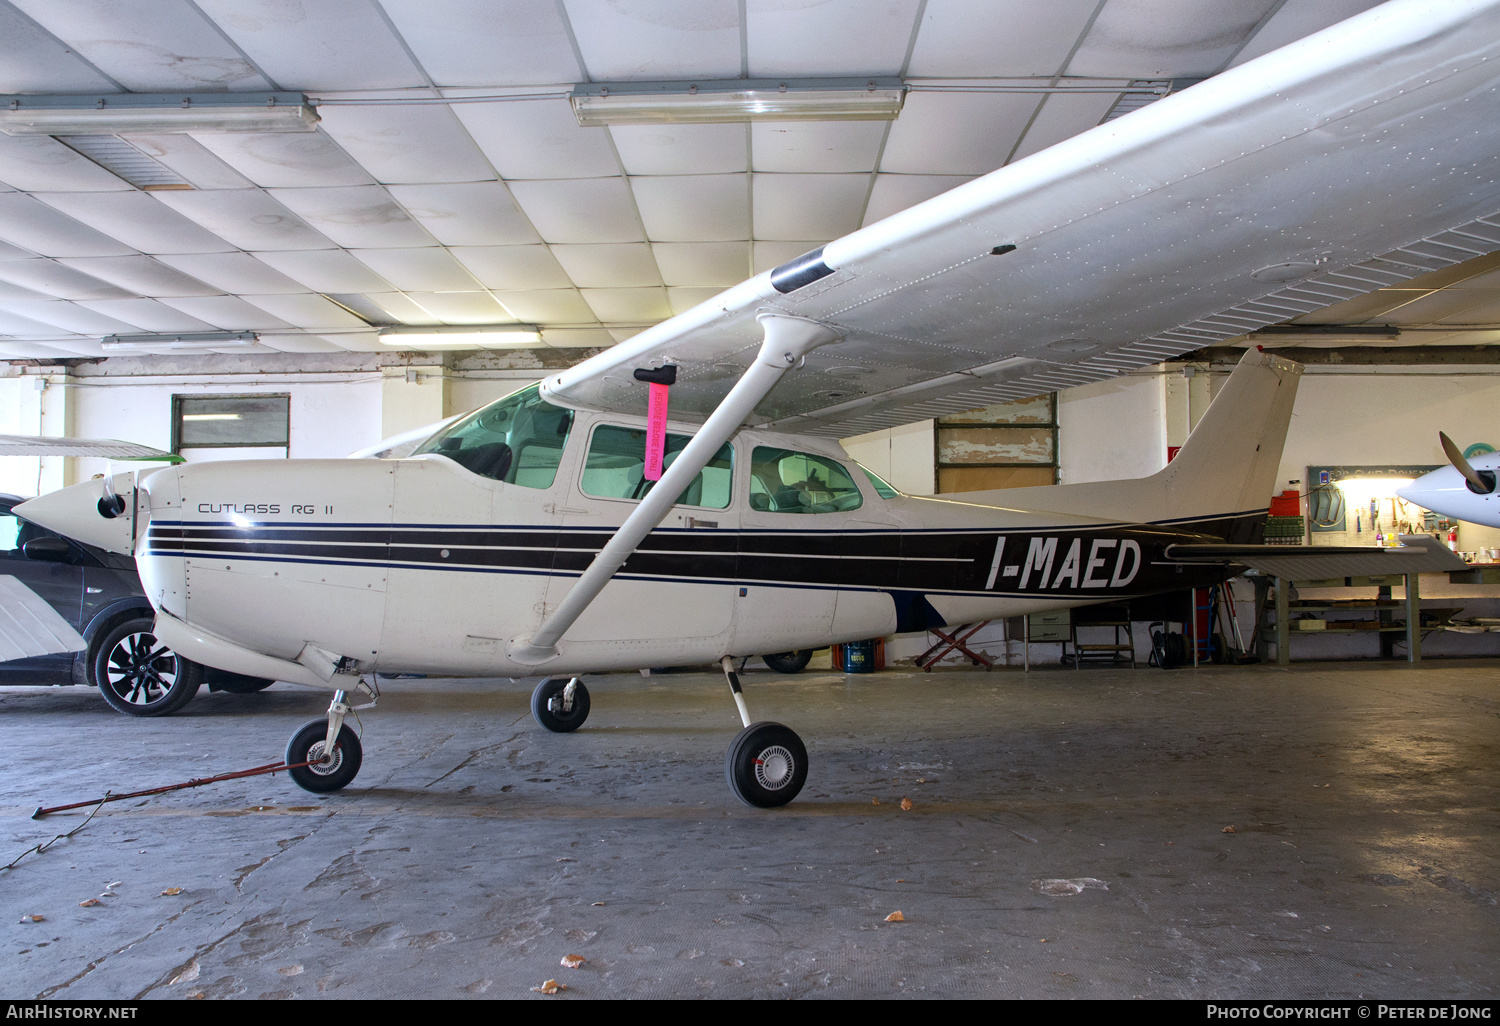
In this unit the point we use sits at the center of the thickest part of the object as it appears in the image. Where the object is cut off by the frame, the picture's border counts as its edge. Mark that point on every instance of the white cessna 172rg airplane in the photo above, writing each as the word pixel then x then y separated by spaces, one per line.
pixel 523 539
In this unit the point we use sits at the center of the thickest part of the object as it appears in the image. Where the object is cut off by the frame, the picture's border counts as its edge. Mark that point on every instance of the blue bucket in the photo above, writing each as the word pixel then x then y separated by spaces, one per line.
pixel 859 657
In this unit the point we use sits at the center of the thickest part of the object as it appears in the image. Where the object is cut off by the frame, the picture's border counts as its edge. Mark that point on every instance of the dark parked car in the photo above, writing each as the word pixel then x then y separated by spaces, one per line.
pixel 100 594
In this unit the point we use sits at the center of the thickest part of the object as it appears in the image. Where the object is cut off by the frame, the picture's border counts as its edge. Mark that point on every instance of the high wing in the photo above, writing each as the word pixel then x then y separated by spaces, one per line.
pixel 1354 159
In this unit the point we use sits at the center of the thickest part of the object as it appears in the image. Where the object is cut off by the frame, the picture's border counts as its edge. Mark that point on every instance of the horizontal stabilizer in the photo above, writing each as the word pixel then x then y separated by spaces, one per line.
pixel 1418 554
pixel 108 448
pixel 30 627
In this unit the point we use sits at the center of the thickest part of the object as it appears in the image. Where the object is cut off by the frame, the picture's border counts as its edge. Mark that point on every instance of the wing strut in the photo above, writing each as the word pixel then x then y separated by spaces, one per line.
pixel 787 340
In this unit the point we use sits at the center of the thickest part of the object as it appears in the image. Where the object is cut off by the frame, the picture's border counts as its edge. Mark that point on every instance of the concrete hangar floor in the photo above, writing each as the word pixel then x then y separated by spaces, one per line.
pixel 1069 836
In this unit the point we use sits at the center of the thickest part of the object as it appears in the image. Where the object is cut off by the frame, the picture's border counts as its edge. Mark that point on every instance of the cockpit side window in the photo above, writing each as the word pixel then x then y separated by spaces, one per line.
pixel 519 440
pixel 616 464
pixel 784 481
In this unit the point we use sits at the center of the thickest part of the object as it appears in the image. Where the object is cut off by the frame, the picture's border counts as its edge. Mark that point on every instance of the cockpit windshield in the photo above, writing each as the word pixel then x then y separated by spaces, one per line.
pixel 518 440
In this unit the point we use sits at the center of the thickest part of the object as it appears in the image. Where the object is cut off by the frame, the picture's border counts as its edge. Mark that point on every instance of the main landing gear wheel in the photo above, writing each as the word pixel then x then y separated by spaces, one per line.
pixel 788 662
pixel 766 765
pixel 327 773
pixel 560 705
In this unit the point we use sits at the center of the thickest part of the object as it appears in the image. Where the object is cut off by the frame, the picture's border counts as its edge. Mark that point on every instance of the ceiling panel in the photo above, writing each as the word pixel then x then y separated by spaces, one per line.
pixel 407 144
pixel 147 45
pixel 330 44
pixel 1298 18
pixel 27 327
pixel 67 316
pixel 681 149
pixel 620 265
pixel 831 38
pixel 58 281
pixel 247 218
pixel 716 264
pixel 513 267
pixel 693 208
pixel 796 206
pixel 9 252
pixel 9 291
pixel 467 214
pixel 769 254
pixel 1063 117
pixel 285 160
pixel 894 193
pixel 1166 38
pixel 816 146
pixel 307 311
pixel 657 39
pixel 682 299
pixel 400 308
pixel 537 139
pixel 419 270
pixel 188 157
pixel 227 312
pixel 639 305
pixel 547 306
pixel 486 42
pixel 39 162
pixel 956 133
pixel 147 314
pixel 326 270
pixel 32 61
pixel 237 273
pixel 137 220
pixel 360 216
pixel 577 338
pixel 463 307
pixel 342 342
pixel 141 275
pixel 34 225
pixel 963 38
pixel 581 210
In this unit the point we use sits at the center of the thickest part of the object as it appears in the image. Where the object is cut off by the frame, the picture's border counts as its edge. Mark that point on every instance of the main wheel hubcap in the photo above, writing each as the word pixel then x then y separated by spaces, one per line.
pixel 774 767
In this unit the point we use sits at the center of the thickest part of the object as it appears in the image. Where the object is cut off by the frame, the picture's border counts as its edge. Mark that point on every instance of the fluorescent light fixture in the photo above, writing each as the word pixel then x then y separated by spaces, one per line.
pixel 807 99
pixel 201 341
pixel 120 113
pixel 466 336
pixel 212 416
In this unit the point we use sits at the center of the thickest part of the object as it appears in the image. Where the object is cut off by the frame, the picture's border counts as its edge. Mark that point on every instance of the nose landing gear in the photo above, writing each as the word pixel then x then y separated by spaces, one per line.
pixel 331 750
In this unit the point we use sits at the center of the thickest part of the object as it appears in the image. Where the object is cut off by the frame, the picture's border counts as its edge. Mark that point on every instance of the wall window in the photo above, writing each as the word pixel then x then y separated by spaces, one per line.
pixel 616 468
pixel 1008 445
pixel 208 422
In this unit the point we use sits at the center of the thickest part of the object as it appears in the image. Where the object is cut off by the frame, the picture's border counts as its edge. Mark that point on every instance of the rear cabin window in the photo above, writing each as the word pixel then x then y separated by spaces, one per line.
pixel 784 481
pixel 518 440
pixel 615 468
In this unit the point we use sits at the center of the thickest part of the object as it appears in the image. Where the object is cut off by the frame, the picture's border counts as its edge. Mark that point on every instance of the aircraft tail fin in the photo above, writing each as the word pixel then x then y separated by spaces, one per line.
pixel 1221 481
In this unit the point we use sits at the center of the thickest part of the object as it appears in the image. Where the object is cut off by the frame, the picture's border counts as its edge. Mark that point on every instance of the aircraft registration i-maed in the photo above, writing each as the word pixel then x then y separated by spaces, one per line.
pixel 525 538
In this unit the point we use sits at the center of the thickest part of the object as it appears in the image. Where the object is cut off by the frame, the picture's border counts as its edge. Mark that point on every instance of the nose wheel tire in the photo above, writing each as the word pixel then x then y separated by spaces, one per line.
pixel 766 765
pixel 548 705
pixel 325 774
pixel 138 675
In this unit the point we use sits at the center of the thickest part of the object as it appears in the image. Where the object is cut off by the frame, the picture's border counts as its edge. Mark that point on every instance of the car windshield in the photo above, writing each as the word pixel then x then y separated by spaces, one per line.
pixel 518 440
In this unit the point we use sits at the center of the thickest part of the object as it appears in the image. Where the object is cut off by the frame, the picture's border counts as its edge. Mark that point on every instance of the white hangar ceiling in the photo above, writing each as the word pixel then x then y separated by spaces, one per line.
pixel 449 183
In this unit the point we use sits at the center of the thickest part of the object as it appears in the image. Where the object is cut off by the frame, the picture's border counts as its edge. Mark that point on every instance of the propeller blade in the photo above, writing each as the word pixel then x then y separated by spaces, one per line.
pixel 1455 457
